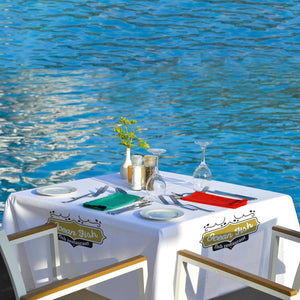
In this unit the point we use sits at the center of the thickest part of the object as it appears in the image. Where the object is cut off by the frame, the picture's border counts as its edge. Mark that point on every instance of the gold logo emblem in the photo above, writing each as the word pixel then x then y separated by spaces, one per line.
pixel 78 234
pixel 230 235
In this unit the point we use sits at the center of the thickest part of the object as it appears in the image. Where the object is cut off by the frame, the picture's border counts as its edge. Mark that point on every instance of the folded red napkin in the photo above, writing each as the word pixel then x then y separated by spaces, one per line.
pixel 210 199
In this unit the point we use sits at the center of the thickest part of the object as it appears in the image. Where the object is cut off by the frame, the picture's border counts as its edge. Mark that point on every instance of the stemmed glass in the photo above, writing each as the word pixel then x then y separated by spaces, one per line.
pixel 156 185
pixel 202 175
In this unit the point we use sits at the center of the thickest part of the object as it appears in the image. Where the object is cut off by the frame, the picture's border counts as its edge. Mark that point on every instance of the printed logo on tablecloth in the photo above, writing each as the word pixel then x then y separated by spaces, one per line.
pixel 77 232
pixel 227 234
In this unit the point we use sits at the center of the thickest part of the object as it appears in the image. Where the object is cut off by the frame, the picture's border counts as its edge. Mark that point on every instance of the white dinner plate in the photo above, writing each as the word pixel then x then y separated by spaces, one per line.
pixel 55 191
pixel 161 214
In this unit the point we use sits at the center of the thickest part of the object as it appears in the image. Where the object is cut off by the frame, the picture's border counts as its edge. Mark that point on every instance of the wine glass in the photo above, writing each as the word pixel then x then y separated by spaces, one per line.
pixel 202 175
pixel 156 185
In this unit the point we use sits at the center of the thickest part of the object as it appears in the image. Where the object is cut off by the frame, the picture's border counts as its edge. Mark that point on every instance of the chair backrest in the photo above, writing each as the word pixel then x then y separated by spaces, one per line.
pixel 11 260
pixel 6 288
pixel 12 265
pixel 268 286
pixel 279 232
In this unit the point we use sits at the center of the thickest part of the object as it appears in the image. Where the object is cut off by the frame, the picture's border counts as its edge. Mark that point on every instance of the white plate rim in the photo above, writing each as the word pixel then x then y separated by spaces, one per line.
pixel 65 190
pixel 145 213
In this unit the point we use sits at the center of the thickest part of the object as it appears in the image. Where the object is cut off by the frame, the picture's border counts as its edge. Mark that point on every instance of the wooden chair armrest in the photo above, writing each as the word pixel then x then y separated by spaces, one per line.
pixel 215 265
pixel 31 231
pixel 85 280
pixel 45 290
pixel 287 231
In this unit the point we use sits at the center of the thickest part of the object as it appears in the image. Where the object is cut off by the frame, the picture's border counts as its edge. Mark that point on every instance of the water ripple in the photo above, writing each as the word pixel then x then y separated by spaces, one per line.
pixel 227 71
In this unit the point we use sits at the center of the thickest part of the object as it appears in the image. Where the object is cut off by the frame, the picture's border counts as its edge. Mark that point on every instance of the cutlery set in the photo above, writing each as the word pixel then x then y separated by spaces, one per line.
pixel 131 207
pixel 186 206
pixel 215 192
pixel 100 191
pixel 175 197
pixel 138 204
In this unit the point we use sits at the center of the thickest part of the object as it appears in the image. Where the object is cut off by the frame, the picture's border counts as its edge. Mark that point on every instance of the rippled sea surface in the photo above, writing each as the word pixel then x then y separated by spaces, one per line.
pixel 224 71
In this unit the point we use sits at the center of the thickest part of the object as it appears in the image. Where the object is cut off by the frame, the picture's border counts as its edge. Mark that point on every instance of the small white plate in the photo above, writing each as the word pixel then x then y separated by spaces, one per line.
pixel 161 214
pixel 55 191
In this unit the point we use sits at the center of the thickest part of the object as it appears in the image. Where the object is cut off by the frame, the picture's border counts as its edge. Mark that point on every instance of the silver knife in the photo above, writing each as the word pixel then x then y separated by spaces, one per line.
pixel 128 208
pixel 232 194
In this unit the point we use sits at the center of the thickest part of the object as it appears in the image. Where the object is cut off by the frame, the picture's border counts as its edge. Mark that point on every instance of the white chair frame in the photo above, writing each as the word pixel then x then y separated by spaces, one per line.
pixel 268 286
pixel 61 287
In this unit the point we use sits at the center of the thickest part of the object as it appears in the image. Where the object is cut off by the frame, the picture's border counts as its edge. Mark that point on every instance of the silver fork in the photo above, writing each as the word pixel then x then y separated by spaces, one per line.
pixel 101 190
pixel 163 200
pixel 118 189
pixel 188 206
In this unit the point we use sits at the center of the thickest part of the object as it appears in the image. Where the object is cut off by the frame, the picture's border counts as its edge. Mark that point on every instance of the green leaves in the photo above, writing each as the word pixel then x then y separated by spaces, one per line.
pixel 127 137
pixel 143 144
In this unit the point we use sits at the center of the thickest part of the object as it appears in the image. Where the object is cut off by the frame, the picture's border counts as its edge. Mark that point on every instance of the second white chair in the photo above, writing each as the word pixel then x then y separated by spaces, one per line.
pixel 268 286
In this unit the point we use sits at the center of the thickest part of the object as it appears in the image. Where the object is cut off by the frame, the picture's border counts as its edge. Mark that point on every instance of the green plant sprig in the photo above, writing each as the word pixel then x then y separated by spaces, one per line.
pixel 127 137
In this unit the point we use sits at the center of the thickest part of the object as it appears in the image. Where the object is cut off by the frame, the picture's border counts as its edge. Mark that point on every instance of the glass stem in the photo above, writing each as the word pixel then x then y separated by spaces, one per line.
pixel 203 154
pixel 156 165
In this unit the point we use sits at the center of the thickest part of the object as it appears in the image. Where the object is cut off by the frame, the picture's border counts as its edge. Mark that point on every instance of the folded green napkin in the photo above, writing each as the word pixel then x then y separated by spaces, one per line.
pixel 112 201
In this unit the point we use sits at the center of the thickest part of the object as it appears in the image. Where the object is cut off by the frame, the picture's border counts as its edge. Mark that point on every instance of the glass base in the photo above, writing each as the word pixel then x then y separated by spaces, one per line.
pixel 202 178
pixel 156 185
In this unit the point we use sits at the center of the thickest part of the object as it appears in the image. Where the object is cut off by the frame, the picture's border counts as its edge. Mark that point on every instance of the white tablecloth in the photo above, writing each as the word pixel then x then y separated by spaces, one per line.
pixel 95 238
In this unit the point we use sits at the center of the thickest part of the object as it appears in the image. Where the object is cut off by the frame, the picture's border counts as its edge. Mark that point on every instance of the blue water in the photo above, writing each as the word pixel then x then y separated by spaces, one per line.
pixel 225 71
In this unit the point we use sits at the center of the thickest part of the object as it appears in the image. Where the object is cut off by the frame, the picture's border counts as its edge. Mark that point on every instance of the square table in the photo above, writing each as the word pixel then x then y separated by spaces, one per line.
pixel 90 239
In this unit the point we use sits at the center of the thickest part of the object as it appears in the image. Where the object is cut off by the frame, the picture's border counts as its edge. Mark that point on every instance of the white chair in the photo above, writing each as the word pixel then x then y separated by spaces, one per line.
pixel 268 286
pixel 74 288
